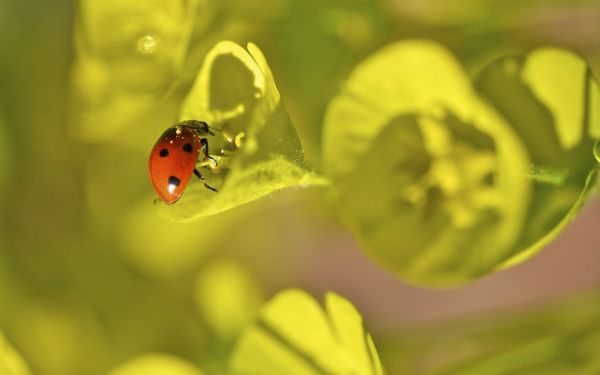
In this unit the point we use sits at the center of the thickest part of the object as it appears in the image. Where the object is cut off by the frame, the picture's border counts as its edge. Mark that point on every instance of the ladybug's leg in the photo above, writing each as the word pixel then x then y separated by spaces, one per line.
pixel 197 173
pixel 204 143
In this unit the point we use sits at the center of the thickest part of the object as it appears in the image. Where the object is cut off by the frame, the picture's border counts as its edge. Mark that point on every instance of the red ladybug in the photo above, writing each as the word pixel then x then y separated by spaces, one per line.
pixel 174 156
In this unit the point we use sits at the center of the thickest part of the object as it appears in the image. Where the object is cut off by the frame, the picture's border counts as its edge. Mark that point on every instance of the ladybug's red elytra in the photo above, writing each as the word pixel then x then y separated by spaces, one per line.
pixel 174 156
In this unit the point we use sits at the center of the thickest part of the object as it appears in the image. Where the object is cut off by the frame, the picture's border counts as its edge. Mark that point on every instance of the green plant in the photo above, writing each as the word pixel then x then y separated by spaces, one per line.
pixel 447 158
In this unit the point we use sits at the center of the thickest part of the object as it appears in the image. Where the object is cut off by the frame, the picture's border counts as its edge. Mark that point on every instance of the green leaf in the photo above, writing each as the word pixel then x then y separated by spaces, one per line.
pixel 255 142
pixel 11 362
pixel 295 336
pixel 157 364
pixel 428 176
pixel 228 297
pixel 128 56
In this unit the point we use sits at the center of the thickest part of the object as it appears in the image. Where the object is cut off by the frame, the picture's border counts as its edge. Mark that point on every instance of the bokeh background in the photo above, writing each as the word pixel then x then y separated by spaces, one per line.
pixel 91 276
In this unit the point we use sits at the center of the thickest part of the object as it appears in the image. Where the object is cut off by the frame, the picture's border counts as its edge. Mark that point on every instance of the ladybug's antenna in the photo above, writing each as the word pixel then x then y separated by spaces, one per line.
pixel 201 126
pixel 213 128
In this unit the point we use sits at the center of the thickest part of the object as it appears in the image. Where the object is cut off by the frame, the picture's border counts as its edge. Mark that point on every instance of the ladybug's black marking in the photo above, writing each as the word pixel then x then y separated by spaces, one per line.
pixel 188 148
pixel 164 153
pixel 174 181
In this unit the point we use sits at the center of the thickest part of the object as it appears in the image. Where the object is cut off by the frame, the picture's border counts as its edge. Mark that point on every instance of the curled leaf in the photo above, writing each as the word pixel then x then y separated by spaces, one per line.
pixel 254 141
pixel 157 364
pixel 128 54
pixel 430 178
pixel 295 336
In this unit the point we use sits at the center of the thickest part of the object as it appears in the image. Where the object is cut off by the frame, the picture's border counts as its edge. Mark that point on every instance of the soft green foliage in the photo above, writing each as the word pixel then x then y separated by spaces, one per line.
pixel 255 141
pixel 557 339
pixel 295 336
pixel 440 184
pixel 158 246
pixel 4 153
pixel 50 335
pixel 128 55
pixel 446 166
pixel 227 297
pixel 157 364
pixel 11 362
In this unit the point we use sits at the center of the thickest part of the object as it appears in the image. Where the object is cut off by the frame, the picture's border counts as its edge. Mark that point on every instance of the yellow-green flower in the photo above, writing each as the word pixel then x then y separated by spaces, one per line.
pixel 443 180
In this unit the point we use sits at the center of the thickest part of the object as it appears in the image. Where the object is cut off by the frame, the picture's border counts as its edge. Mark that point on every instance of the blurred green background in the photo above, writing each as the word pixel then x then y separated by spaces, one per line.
pixel 91 276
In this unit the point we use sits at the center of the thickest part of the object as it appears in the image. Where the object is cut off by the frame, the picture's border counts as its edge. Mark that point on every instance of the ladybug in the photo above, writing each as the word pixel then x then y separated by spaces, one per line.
pixel 174 156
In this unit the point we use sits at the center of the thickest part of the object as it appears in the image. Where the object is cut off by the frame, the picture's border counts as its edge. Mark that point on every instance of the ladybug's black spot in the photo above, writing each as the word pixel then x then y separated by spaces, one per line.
pixel 164 153
pixel 174 181
pixel 188 148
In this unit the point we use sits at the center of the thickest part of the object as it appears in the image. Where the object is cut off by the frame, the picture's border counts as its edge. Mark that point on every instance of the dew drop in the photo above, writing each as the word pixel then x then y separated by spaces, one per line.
pixel 239 138
pixel 146 45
